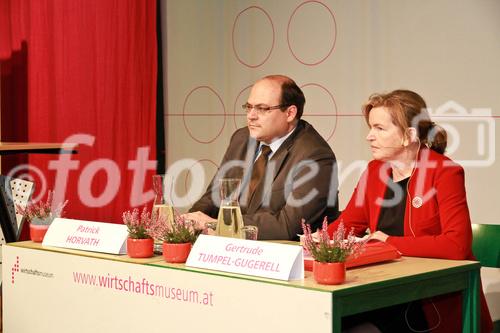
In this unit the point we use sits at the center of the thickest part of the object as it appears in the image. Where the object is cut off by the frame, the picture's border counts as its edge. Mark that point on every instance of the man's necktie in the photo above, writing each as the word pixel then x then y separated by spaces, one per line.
pixel 259 169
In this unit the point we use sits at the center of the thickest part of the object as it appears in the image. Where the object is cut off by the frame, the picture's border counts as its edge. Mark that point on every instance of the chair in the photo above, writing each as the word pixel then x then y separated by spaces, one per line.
pixel 12 192
pixel 486 244
pixel 486 248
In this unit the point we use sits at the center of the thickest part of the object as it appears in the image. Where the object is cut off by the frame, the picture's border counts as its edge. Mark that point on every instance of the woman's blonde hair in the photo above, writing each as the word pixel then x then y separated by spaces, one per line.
pixel 408 109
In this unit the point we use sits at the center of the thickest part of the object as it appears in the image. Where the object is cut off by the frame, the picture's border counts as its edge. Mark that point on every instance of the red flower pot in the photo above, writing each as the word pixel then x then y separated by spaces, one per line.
pixel 38 231
pixel 329 273
pixel 140 248
pixel 176 253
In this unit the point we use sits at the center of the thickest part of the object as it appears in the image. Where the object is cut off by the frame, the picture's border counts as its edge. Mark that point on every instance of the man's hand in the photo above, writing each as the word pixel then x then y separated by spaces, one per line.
pixel 201 219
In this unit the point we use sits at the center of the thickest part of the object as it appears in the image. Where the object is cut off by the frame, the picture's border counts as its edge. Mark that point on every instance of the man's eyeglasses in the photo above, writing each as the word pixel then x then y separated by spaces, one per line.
pixel 261 110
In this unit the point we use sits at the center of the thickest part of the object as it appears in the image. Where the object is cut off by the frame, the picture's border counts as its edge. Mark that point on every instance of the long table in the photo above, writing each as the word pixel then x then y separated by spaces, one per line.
pixel 36 147
pixel 60 290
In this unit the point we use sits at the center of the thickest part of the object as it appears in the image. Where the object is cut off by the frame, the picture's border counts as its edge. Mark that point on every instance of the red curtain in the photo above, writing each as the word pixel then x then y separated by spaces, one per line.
pixel 92 67
pixel 14 25
pixel 14 102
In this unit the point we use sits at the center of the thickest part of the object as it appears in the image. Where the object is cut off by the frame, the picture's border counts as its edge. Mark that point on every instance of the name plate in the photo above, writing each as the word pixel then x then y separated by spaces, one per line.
pixel 263 259
pixel 87 235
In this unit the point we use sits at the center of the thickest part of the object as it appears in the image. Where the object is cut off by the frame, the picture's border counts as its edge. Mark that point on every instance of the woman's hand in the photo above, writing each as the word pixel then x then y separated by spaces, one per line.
pixel 379 235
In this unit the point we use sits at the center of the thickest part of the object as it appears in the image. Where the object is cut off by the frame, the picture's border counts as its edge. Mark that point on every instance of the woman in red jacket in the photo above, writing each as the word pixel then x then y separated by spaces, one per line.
pixel 413 197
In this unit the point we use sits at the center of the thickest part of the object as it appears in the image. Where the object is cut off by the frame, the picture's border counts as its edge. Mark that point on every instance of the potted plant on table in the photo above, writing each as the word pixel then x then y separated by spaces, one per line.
pixel 40 215
pixel 140 228
pixel 330 254
pixel 178 238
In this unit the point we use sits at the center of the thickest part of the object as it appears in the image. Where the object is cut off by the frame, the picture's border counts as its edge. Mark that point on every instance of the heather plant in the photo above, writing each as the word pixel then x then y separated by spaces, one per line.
pixel 143 225
pixel 42 212
pixel 336 249
pixel 181 230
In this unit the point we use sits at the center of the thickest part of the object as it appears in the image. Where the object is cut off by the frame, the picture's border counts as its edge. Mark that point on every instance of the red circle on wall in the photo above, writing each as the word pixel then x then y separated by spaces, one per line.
pixel 335 115
pixel 201 161
pixel 334 38
pixel 246 11
pixel 184 115
pixel 238 112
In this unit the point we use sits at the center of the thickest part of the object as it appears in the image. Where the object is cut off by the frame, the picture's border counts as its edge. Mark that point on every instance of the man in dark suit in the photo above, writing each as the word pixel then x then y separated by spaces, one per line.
pixel 300 178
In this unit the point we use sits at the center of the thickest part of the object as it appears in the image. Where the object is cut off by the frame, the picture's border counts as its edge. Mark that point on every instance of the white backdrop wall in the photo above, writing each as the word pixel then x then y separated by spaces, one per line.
pixel 339 52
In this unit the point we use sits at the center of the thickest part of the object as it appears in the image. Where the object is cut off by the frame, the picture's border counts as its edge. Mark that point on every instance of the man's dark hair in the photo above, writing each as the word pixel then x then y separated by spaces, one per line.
pixel 291 94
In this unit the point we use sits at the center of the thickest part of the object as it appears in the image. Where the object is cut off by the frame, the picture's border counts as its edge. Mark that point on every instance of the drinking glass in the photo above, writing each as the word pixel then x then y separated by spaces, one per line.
pixel 250 232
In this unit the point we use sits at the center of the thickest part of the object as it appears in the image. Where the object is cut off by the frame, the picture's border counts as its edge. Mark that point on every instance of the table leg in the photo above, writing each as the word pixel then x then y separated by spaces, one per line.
pixel 470 304
pixel 336 316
